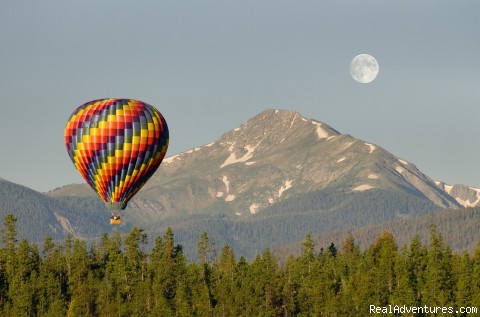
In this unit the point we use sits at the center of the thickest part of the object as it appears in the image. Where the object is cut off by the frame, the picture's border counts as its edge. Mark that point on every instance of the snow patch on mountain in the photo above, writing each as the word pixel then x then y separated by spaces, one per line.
pixel 348 144
pixel 341 159
pixel 448 188
pixel 403 162
pixel 230 198
pixel 254 208
pixel 468 203
pixel 170 159
pixel 293 120
pixel 192 150
pixel 321 133
pixel 226 182
pixel 232 159
pixel 371 147
pixel 399 169
pixel 285 186
pixel 249 163
pixel 363 187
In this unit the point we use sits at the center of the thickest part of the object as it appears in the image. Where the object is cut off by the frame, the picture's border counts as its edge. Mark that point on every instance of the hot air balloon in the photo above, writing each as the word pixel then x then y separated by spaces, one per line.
pixel 116 145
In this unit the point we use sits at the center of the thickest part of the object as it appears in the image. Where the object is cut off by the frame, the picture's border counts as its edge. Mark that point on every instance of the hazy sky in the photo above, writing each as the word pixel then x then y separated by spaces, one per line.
pixel 208 66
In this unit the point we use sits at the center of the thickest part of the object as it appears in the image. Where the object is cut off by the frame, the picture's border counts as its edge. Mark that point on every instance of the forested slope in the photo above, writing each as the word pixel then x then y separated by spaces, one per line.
pixel 117 277
pixel 460 228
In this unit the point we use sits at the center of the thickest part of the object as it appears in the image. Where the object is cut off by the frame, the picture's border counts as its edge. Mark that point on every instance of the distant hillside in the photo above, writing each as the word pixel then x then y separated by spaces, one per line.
pixel 460 229
pixel 39 215
pixel 35 212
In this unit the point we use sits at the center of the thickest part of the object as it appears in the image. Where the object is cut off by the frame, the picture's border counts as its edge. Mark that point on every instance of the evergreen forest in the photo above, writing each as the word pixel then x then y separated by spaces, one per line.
pixel 117 276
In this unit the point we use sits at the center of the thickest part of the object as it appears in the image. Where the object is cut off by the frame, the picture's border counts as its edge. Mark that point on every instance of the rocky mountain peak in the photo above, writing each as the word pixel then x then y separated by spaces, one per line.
pixel 465 195
pixel 278 155
pixel 275 126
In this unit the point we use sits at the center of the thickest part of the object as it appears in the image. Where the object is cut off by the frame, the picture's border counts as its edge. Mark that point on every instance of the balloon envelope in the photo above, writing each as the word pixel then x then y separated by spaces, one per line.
pixel 116 145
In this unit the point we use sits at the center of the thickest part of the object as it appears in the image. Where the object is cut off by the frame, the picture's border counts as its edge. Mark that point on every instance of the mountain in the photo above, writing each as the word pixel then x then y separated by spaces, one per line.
pixel 29 206
pixel 465 195
pixel 39 215
pixel 277 155
pixel 267 183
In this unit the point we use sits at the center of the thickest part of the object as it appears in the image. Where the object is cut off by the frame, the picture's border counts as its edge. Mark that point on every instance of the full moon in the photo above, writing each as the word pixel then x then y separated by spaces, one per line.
pixel 364 68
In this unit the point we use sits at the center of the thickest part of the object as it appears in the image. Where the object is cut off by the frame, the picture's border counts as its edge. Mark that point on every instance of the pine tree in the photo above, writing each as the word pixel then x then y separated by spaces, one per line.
pixel 203 298
pixel 433 293
pixel 364 283
pixel 348 262
pixel 384 253
pixel 448 278
pixel 244 280
pixel 464 288
pixel 109 297
pixel 183 293
pixel 53 279
pixel 163 268
pixel 224 277
pixel 205 249
pixel 308 252
pixel 81 282
pixel 325 280
pixel 265 284
pixel 134 284
pixel 290 287
pixel 304 276
pixel 9 239
pixel 476 276
pixel 22 290
pixel 404 293
pixel 416 266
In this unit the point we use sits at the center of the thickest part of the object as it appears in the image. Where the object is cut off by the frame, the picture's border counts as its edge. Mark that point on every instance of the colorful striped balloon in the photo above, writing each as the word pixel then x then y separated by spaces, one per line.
pixel 116 145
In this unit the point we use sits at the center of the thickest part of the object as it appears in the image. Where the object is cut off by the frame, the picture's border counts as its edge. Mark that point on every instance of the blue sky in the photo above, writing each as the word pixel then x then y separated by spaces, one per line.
pixel 208 66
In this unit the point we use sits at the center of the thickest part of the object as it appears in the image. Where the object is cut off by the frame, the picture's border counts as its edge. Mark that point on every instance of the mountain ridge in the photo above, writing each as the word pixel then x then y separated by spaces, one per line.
pixel 264 139
pixel 265 183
